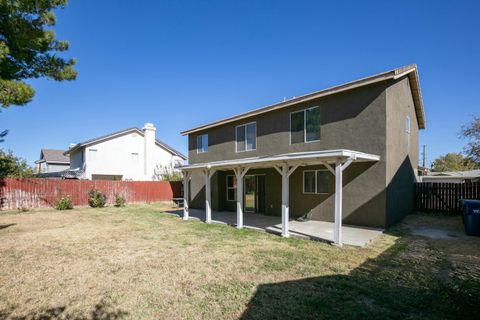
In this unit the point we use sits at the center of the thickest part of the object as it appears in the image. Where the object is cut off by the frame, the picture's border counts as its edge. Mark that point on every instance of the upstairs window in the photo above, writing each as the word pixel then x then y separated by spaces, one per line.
pixel 178 163
pixel 134 157
pixel 305 125
pixel 246 137
pixel 316 181
pixel 92 154
pixel 202 143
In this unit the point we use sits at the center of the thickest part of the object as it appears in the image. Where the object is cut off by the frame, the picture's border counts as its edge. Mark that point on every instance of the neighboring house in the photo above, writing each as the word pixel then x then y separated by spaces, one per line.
pixel 452 176
pixel 52 161
pixel 359 139
pixel 130 154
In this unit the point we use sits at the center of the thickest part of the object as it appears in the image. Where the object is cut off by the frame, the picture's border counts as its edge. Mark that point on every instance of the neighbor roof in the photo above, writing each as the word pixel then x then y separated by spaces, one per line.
pixel 121 133
pixel 53 155
pixel 410 71
pixel 455 174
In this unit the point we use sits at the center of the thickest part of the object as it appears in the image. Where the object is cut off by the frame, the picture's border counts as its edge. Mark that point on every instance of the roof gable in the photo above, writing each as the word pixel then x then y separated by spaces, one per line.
pixel 410 71
pixel 120 134
pixel 54 155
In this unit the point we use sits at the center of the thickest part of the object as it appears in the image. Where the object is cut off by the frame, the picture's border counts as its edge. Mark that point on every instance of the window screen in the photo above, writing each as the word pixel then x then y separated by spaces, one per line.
pixel 246 137
pixel 251 136
pixel 312 124
pixel 202 143
pixel 297 127
pixel 309 181
pixel 323 181
pixel 241 138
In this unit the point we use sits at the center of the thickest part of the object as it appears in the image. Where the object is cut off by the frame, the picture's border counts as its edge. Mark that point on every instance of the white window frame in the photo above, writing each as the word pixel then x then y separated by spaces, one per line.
pixel 135 157
pixel 199 136
pixel 304 124
pixel 245 125
pixel 316 185
pixel 408 124
pixel 90 153
pixel 227 188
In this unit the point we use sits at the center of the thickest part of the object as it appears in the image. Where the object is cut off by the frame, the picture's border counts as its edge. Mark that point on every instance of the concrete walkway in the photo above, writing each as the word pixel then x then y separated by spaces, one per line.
pixel 312 229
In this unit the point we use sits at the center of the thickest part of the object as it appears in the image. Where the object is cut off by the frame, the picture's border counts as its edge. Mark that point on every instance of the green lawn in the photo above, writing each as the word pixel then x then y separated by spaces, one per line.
pixel 139 263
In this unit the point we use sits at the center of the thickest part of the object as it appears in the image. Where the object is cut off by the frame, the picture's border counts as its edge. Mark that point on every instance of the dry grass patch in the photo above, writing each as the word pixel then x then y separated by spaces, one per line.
pixel 138 263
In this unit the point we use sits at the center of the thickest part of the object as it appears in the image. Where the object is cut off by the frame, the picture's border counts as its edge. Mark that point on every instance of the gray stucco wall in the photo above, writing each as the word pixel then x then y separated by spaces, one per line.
pixel 402 150
pixel 351 120
pixel 354 120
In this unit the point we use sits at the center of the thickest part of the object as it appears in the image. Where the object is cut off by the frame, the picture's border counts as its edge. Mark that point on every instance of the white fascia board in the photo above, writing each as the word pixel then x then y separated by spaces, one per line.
pixel 292 157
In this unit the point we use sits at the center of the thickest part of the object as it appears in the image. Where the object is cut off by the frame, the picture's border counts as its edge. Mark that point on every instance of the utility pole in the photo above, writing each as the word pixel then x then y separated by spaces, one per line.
pixel 424 169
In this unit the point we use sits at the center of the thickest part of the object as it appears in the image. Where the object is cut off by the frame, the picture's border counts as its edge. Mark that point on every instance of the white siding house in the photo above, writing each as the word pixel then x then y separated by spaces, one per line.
pixel 130 154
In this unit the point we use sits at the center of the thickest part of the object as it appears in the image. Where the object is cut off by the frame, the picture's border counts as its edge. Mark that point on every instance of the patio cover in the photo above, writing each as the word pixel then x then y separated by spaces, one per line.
pixel 285 164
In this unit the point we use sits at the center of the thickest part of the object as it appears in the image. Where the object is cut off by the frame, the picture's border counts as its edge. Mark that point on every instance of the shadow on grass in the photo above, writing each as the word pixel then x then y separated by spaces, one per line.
pixel 101 311
pixel 6 225
pixel 411 280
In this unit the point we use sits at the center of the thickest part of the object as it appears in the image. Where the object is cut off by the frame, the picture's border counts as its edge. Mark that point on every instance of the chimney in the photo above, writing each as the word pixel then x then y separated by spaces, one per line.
pixel 149 150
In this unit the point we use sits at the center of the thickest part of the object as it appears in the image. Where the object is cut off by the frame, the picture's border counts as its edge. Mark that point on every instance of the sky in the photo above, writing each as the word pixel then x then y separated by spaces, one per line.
pixel 180 64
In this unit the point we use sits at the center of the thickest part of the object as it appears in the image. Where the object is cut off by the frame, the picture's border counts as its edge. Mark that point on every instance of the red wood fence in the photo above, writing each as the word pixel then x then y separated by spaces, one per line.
pixel 444 197
pixel 17 193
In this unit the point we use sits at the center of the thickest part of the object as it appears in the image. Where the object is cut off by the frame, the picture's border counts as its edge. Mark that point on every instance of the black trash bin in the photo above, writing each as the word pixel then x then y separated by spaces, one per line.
pixel 471 216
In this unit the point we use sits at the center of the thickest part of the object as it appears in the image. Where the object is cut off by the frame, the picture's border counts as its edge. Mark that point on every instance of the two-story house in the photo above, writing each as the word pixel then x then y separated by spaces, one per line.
pixel 130 154
pixel 344 154
pixel 52 161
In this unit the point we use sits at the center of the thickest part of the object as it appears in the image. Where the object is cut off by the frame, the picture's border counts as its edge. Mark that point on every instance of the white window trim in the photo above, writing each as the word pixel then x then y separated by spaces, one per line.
pixel 90 155
pixel 316 185
pixel 304 124
pixel 201 135
pixel 227 188
pixel 245 125
pixel 135 157
pixel 408 129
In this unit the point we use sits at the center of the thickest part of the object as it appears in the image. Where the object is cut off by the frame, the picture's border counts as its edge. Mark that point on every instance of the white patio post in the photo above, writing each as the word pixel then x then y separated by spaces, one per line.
pixel 339 168
pixel 208 195
pixel 239 174
pixel 337 232
pixel 285 171
pixel 186 179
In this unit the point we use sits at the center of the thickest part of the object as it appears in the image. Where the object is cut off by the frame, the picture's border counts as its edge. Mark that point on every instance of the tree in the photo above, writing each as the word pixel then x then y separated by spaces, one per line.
pixel 166 173
pixel 27 48
pixel 13 167
pixel 453 162
pixel 471 132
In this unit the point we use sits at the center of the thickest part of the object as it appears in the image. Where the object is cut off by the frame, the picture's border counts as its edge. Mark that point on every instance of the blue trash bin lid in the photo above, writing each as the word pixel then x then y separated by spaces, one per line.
pixel 469 201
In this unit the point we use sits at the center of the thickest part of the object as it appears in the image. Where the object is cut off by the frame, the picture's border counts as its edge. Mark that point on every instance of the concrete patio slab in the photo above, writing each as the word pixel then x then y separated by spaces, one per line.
pixel 322 230
pixel 311 229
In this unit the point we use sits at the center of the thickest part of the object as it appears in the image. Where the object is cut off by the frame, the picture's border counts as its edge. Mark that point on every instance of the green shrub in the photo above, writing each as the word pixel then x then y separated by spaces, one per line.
pixel 96 199
pixel 119 200
pixel 64 203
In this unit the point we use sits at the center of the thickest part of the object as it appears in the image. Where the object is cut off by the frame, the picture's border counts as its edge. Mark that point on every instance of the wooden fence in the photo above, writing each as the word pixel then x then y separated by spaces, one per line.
pixel 33 193
pixel 444 197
